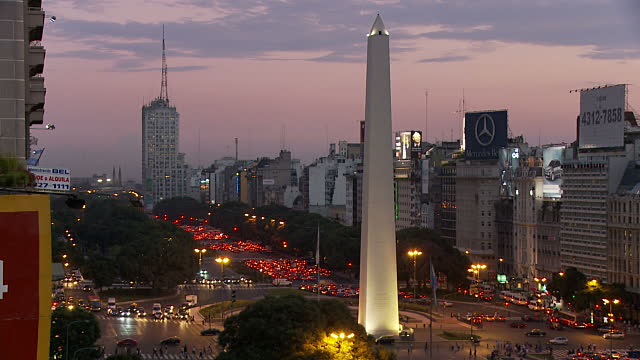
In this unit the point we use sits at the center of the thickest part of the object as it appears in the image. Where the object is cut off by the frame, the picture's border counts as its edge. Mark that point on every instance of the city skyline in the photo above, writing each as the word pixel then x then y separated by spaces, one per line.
pixel 302 67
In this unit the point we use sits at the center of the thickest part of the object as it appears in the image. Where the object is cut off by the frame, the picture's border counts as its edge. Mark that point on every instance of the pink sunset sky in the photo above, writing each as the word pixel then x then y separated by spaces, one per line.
pixel 247 69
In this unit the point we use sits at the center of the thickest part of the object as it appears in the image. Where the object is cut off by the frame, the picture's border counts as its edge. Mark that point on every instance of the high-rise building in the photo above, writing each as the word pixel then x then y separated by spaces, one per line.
pixel 407 182
pixel 164 173
pixel 21 80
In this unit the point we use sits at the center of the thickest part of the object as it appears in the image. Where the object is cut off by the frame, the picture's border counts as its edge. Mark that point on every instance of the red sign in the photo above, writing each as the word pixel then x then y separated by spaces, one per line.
pixel 25 276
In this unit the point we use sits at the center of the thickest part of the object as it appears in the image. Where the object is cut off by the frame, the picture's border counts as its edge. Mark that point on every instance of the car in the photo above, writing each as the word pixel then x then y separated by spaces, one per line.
pixel 559 341
pixel 170 341
pixel 141 312
pixel 386 339
pixel 87 288
pixel 490 318
pixel 475 339
pixel 518 325
pixel 536 333
pixel 553 170
pixel 501 318
pixel 127 342
pixel 604 329
pixel 555 326
pixel 446 303
pixel 210 332
pixel 615 334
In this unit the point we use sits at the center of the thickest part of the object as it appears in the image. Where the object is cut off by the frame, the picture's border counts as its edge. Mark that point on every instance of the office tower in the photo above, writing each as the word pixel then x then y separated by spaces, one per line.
pixel 163 170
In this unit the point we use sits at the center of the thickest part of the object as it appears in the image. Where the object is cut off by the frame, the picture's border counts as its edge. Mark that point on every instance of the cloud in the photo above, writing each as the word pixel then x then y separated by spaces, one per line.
pixel 442 59
pixel 231 29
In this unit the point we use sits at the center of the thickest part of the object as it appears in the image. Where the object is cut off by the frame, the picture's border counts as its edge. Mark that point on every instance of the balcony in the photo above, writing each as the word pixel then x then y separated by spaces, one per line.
pixel 36 117
pixel 36 91
pixel 34 22
pixel 35 60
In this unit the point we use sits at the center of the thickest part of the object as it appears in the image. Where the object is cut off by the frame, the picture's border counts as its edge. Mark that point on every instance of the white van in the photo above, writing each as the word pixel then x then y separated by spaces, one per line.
pixel 157 311
pixel 534 305
pixel 282 281
pixel 520 299
pixel 111 306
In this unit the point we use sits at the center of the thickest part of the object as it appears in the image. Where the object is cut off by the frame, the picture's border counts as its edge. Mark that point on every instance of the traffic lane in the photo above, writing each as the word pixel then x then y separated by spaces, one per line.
pixel 494 331
pixel 149 333
pixel 208 295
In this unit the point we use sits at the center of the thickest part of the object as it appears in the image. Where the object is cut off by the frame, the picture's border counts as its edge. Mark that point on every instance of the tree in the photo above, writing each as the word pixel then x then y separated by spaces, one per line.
pixel 567 284
pixel 13 173
pixel 115 240
pixel 80 327
pixel 446 259
pixel 293 328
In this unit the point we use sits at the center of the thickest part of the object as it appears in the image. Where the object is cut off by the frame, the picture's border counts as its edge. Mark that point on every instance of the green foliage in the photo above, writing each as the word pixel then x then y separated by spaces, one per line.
pixel 115 240
pixel 569 284
pixel 13 173
pixel 83 330
pixel 177 207
pixel 591 295
pixel 446 259
pixel 293 328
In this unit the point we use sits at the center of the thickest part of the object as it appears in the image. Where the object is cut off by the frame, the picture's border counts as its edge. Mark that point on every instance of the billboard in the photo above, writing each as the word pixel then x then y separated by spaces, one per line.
pixel 25 276
pixel 51 179
pixel 403 145
pixel 416 144
pixel 485 132
pixel 601 122
pixel 552 168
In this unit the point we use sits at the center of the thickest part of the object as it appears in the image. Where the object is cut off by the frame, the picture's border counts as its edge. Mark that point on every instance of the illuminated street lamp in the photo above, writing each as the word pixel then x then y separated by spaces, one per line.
pixel 222 261
pixel 414 254
pixel 475 269
pixel 611 318
pixel 200 252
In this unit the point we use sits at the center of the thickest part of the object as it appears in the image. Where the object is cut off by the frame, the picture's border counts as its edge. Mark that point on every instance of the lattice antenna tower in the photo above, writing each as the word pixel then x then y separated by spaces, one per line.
pixel 164 92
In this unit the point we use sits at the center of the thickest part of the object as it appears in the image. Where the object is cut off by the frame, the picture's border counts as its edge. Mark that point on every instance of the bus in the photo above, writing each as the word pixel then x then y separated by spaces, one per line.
pixel 573 320
pixel 94 303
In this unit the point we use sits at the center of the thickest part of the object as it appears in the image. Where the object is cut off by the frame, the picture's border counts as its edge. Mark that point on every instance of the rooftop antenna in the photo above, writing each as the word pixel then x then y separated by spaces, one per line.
pixel 236 149
pixel 199 163
pixel 426 114
pixel 164 93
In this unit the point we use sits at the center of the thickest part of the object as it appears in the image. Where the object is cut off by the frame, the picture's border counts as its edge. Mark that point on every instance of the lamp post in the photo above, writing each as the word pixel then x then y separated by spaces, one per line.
pixel 339 338
pixel 475 269
pixel 66 343
pixel 610 316
pixel 84 348
pixel 414 254
pixel 222 261
pixel 200 252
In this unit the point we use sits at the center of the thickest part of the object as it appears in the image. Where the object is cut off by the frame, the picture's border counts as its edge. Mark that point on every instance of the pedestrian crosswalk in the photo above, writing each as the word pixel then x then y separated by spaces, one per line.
pixel 174 357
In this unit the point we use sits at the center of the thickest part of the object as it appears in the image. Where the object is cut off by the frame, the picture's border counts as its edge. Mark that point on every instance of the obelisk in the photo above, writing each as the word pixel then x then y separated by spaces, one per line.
pixel 378 307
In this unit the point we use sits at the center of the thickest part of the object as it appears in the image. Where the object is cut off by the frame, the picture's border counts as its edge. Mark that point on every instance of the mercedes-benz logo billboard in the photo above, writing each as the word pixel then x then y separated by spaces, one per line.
pixel 485 130
pixel 485 134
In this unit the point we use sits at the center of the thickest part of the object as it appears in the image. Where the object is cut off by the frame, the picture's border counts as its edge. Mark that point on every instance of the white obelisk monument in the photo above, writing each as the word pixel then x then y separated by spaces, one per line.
pixel 378 307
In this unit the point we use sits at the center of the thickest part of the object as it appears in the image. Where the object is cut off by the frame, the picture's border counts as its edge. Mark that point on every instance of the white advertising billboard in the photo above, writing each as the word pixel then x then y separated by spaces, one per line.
pixel 552 167
pixel 602 117
pixel 51 179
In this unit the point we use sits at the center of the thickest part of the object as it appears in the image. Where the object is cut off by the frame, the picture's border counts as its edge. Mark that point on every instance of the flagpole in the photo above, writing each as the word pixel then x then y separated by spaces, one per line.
pixel 434 287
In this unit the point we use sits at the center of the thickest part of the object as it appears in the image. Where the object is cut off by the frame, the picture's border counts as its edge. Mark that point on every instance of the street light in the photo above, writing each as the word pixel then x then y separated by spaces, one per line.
pixel 475 269
pixel 610 316
pixel 222 261
pixel 66 343
pixel 414 254
pixel 200 252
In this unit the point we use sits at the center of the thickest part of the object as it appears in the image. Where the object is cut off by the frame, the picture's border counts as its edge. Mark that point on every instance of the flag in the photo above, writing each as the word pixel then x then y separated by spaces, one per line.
pixel 318 251
pixel 34 160
pixel 434 283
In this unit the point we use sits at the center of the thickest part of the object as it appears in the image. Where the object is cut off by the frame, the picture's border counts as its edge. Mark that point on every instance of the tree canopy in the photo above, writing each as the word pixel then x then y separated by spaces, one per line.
pixel 115 240
pixel 293 328
pixel 13 173
pixel 177 207
pixel 83 332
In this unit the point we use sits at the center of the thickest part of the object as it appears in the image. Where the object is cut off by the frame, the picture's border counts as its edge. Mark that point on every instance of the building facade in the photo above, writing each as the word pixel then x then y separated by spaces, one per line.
pixel 22 91
pixel 164 172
